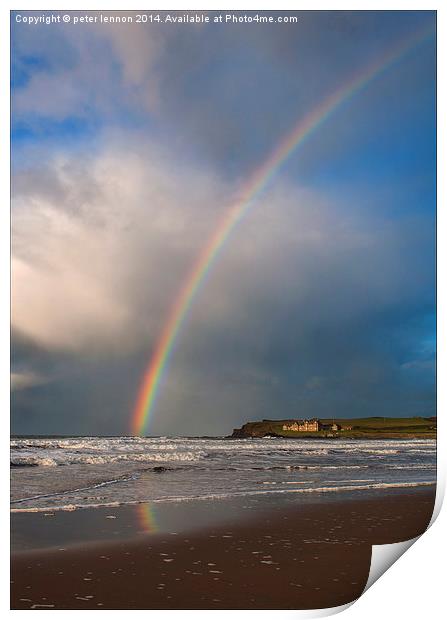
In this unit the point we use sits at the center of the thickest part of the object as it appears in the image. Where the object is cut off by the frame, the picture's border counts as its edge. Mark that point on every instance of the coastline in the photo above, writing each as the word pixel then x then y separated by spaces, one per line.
pixel 339 437
pixel 306 556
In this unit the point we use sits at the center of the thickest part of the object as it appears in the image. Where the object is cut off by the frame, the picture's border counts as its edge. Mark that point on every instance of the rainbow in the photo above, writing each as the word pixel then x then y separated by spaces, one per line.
pixel 147 518
pixel 256 183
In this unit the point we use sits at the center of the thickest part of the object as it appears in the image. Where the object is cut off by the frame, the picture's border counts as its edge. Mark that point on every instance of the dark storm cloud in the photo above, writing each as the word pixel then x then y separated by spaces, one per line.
pixel 234 92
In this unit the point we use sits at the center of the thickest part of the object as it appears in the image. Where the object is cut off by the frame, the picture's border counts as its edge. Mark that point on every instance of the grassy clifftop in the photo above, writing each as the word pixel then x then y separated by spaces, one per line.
pixel 376 427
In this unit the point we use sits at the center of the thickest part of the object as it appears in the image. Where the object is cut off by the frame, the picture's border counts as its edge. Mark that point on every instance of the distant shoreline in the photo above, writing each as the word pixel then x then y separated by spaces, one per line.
pixel 341 428
pixel 365 437
pixel 305 436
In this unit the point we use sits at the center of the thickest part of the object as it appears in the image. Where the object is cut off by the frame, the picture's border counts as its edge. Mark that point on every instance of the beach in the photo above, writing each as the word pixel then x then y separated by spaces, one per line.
pixel 203 523
pixel 300 555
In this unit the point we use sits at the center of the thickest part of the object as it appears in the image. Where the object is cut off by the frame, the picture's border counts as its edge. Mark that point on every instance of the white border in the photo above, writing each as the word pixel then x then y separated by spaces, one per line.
pixel 413 587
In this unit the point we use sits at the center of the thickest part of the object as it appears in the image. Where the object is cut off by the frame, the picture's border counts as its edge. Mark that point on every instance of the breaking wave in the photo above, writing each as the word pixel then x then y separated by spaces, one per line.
pixel 219 496
pixel 129 469
pixel 105 459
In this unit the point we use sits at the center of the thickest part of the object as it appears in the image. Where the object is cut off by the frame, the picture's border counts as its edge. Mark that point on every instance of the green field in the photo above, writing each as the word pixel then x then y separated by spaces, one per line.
pixel 374 427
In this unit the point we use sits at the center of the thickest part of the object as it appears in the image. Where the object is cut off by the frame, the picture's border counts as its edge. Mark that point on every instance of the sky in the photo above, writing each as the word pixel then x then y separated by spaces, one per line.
pixel 130 143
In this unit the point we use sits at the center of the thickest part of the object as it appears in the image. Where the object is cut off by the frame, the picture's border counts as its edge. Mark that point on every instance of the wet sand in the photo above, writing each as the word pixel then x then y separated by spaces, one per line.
pixel 308 557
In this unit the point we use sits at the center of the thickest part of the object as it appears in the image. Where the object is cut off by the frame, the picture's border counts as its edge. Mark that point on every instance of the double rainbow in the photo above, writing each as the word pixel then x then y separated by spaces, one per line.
pixel 256 183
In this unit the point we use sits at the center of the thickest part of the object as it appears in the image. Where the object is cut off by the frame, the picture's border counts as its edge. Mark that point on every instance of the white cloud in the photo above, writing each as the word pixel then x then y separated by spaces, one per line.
pixel 103 242
pixel 25 379
pixel 100 247
pixel 101 67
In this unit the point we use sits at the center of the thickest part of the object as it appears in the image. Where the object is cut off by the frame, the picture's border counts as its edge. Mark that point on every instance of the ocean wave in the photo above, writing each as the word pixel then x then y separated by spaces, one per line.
pixel 235 494
pixel 105 459
pixel 364 450
pixel 56 445
pixel 412 466
pixel 421 451
pixel 370 451
pixel 32 461
pixel 95 485
pixel 343 466
pixel 299 467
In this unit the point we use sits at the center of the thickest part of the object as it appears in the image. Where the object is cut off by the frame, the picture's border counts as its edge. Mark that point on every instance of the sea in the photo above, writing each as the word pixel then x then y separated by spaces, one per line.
pixel 72 473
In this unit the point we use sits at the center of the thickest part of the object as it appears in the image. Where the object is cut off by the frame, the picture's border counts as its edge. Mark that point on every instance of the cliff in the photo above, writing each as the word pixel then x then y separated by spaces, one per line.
pixel 263 428
pixel 258 429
